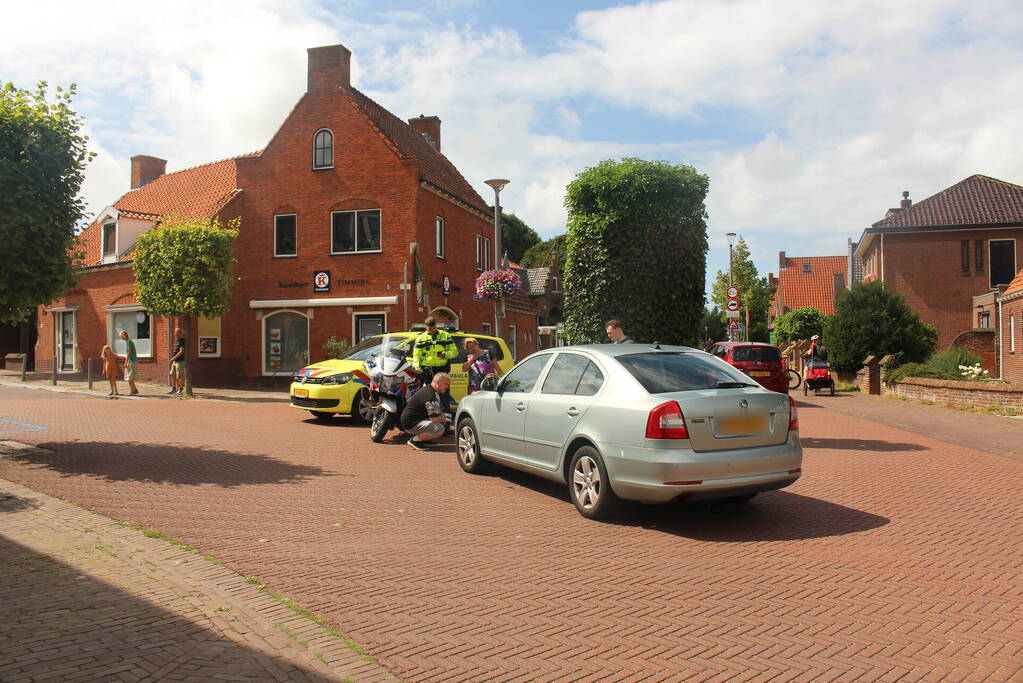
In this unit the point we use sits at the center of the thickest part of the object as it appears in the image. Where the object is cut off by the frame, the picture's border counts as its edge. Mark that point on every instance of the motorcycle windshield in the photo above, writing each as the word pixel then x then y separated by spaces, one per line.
pixel 388 357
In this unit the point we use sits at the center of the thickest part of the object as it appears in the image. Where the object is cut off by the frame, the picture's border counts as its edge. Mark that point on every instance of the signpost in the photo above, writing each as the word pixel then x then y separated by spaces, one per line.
pixel 732 310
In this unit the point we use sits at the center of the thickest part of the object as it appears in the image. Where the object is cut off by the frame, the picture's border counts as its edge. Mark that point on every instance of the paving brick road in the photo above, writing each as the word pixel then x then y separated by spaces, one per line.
pixel 896 556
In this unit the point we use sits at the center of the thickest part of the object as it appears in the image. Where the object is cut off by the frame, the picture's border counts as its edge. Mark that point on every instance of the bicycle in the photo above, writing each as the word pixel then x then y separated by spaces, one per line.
pixel 794 378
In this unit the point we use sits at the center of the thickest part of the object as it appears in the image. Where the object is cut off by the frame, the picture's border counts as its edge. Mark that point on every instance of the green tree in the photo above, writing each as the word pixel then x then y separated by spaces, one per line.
pixel 754 291
pixel 637 251
pixel 183 268
pixel 516 236
pixel 872 319
pixel 539 255
pixel 42 164
pixel 801 323
pixel 713 328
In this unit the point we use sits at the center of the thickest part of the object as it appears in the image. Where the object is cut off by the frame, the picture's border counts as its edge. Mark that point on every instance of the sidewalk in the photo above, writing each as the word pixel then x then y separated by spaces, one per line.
pixel 100 389
pixel 86 598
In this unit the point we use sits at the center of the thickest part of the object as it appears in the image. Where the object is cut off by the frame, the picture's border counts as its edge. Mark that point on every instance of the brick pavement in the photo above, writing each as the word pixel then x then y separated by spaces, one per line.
pixel 896 556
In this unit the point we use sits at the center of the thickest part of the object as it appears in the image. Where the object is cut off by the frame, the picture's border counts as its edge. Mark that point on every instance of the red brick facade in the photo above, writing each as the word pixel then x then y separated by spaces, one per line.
pixel 379 163
pixel 1010 321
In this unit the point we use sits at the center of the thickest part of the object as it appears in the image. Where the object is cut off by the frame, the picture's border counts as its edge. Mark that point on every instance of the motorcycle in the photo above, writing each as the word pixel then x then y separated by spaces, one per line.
pixel 392 383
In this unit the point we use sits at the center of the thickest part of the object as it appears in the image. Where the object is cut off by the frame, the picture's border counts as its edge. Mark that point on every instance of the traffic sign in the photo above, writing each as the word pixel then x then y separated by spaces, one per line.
pixel 731 314
pixel 732 305
pixel 732 292
pixel 732 325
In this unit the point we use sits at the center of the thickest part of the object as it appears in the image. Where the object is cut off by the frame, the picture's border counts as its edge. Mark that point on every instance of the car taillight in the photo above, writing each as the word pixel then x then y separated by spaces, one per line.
pixel 793 416
pixel 666 422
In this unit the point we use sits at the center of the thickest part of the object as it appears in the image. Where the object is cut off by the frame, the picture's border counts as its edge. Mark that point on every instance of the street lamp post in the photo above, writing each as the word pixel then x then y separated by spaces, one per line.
pixel 498 185
pixel 730 236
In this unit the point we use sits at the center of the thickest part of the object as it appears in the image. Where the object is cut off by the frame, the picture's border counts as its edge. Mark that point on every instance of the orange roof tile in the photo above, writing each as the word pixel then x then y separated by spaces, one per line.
pixel 197 192
pixel 797 289
pixel 1016 285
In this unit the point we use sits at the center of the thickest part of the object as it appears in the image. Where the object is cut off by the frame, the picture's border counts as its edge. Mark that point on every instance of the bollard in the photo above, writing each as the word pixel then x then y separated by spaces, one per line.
pixel 53 378
pixel 88 371
pixel 24 367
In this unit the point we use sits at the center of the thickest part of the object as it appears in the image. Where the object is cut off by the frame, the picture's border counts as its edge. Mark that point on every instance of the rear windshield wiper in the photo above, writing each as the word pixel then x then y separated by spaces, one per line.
pixel 733 385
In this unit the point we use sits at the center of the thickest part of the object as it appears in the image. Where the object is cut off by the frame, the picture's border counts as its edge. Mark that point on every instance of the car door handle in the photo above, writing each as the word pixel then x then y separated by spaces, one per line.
pixel 572 412
pixel 520 406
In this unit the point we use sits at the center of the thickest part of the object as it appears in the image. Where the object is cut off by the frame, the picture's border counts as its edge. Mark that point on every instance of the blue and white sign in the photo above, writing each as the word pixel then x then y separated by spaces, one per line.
pixel 321 281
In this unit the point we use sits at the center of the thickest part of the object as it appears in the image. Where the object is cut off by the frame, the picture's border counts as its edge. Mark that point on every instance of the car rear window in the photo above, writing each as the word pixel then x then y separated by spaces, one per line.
pixel 751 354
pixel 663 373
pixel 492 346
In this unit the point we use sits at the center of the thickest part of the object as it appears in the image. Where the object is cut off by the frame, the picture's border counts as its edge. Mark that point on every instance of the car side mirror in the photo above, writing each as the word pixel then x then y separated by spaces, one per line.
pixel 489 384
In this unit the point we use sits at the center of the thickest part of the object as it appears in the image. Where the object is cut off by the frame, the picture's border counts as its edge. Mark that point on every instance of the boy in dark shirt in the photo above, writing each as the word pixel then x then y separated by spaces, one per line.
pixel 423 416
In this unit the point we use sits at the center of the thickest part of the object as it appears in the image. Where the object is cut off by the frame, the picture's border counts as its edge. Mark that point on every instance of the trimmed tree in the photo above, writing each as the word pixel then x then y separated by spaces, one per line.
pixel 754 291
pixel 183 269
pixel 42 164
pixel 637 250
pixel 801 323
pixel 516 236
pixel 870 319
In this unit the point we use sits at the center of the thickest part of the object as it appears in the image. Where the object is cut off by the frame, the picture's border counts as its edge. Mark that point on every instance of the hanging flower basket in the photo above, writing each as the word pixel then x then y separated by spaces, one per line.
pixel 495 284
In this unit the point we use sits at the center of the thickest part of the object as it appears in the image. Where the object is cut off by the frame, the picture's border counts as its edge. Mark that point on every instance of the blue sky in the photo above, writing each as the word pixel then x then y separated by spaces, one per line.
pixel 810 118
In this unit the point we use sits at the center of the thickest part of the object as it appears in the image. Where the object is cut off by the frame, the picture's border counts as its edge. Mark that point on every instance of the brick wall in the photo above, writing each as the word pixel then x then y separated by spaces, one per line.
pixel 953 393
pixel 1012 361
pixel 926 268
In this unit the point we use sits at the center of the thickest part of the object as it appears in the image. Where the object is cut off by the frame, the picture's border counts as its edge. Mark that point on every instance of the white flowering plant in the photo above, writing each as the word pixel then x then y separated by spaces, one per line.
pixel 973 372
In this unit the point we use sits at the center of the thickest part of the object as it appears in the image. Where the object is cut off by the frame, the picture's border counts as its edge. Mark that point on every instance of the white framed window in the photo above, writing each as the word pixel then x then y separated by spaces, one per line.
pixel 109 242
pixel 513 341
pixel 1012 334
pixel 285 342
pixel 66 338
pixel 486 329
pixel 353 232
pixel 323 149
pixel 484 257
pixel 210 337
pixel 554 285
pixel 285 235
pixel 139 325
pixel 438 236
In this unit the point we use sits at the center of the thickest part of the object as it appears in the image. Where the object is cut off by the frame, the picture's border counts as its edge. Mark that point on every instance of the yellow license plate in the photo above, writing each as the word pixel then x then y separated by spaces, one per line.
pixel 302 393
pixel 760 373
pixel 734 426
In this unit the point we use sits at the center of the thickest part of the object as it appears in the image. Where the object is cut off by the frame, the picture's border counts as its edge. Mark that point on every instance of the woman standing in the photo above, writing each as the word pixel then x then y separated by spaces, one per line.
pixel 479 364
pixel 131 359
pixel 110 370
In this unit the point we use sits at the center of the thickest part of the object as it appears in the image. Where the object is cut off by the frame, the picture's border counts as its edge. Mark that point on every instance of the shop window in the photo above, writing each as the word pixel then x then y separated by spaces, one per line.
pixel 323 149
pixel 285 343
pixel 209 337
pixel 355 231
pixel 139 326
pixel 285 235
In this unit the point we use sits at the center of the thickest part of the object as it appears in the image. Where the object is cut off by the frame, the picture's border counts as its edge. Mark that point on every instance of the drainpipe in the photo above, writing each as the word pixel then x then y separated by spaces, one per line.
pixel 1000 346
pixel 882 257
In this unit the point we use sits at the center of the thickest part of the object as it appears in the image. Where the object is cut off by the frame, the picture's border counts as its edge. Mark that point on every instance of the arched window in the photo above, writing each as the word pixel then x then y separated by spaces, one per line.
pixel 323 149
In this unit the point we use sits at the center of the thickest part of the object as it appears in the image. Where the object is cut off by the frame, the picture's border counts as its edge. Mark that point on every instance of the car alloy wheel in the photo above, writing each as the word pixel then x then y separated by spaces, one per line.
pixel 468 448
pixel 589 485
pixel 362 407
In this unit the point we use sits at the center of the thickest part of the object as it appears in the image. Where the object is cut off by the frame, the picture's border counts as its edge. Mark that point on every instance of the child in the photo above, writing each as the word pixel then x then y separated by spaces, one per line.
pixel 110 369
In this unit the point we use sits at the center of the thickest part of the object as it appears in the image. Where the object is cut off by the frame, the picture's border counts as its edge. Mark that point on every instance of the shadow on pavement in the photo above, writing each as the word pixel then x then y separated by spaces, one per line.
pixel 56 616
pixel 862 445
pixel 772 516
pixel 10 503
pixel 155 463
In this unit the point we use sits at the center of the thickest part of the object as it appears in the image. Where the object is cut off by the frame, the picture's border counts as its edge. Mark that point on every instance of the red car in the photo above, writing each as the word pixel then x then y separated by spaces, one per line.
pixel 760 361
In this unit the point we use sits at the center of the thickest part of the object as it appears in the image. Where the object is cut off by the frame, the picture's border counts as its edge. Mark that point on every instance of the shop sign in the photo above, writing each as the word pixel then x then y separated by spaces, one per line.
pixel 321 280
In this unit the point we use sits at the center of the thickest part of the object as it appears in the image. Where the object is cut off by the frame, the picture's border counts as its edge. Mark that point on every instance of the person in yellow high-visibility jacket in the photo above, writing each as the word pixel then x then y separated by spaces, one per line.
pixel 432 352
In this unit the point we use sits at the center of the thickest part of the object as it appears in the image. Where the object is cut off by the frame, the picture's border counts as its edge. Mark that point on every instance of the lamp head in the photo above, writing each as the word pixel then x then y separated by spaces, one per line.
pixel 497 183
pixel 731 238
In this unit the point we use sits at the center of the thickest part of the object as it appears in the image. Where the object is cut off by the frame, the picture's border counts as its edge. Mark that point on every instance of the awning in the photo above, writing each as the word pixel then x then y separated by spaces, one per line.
pixel 303 303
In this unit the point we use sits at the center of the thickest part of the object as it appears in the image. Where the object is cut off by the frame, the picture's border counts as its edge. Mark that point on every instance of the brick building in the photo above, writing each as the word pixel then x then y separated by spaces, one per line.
pixel 802 281
pixel 343 188
pixel 1008 315
pixel 963 242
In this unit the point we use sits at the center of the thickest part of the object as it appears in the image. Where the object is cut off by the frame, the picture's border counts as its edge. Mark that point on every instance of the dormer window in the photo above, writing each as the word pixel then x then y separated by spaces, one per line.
pixel 806 268
pixel 323 149
pixel 109 241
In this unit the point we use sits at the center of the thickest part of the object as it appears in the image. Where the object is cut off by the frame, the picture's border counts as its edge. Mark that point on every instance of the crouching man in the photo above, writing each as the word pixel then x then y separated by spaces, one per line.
pixel 423 416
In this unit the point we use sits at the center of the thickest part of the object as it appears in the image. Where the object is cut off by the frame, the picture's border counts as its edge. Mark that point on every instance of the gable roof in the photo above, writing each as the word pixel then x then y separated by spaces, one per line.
pixel 797 289
pixel 1016 286
pixel 437 169
pixel 977 200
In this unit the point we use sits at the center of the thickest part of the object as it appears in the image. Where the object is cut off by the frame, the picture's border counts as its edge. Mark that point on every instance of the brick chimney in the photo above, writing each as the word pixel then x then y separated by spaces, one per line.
pixel 145 169
pixel 782 261
pixel 428 127
pixel 906 201
pixel 330 67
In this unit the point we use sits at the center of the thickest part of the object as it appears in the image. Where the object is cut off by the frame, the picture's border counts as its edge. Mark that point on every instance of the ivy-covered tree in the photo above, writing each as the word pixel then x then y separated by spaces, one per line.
pixel 871 319
pixel 539 255
pixel 637 250
pixel 183 269
pixel 801 323
pixel 516 236
pixel 42 164
pixel 754 291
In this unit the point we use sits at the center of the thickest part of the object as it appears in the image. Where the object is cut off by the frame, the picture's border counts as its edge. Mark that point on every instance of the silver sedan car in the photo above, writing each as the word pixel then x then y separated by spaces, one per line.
pixel 634 422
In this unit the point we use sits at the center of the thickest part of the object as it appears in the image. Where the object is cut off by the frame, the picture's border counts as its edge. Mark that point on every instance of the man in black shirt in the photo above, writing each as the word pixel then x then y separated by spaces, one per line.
pixel 423 416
